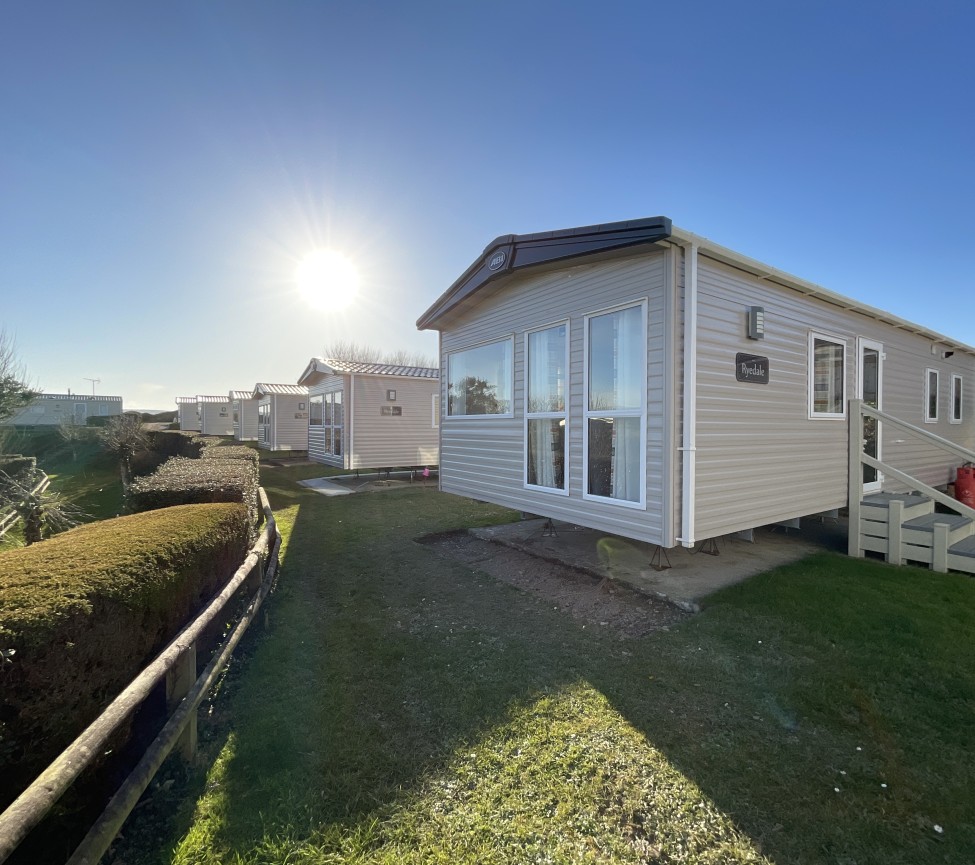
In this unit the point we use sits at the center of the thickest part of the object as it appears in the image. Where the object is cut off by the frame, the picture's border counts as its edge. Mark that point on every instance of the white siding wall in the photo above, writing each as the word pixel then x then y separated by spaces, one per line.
pixel 760 459
pixel 483 457
pixel 188 419
pixel 383 441
pixel 289 422
pixel 246 427
pixel 216 419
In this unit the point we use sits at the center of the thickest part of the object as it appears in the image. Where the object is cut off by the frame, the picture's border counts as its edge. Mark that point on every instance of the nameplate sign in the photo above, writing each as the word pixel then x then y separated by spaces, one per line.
pixel 752 368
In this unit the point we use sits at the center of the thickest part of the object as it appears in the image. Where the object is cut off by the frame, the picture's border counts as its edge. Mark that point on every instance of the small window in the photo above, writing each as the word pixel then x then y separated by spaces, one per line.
pixel 479 380
pixel 931 377
pixel 316 410
pixel 827 376
pixel 391 396
pixel 956 399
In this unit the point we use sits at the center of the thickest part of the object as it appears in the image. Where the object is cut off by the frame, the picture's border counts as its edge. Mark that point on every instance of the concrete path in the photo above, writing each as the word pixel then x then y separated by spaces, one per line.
pixel 326 487
pixel 692 575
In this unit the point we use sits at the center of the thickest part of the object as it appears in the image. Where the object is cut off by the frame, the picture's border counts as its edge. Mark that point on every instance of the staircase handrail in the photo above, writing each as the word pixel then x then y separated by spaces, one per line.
pixel 937 440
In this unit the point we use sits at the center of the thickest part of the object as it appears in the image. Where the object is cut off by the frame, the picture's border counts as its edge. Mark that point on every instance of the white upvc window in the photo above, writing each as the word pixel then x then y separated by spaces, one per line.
pixel 931 380
pixel 827 377
pixel 435 411
pixel 614 417
pixel 333 423
pixel 316 410
pixel 546 400
pixel 479 380
pixel 957 407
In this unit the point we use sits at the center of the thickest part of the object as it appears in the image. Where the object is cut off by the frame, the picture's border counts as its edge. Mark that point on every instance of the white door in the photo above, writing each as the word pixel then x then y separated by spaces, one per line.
pixel 80 413
pixel 870 381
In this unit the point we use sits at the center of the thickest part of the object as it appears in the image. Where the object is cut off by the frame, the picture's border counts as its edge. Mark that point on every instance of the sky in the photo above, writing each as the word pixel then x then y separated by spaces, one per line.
pixel 166 166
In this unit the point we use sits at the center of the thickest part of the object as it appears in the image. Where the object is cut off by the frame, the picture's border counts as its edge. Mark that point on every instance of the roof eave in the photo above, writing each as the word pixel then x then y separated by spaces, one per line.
pixel 512 253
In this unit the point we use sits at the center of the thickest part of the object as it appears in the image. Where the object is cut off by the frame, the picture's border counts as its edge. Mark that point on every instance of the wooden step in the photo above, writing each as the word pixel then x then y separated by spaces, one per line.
pixel 876 532
pixel 961 555
pixel 919 542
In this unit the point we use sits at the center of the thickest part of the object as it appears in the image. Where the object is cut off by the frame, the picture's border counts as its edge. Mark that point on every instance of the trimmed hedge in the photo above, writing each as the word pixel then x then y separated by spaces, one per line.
pixel 181 481
pixel 174 443
pixel 231 452
pixel 86 610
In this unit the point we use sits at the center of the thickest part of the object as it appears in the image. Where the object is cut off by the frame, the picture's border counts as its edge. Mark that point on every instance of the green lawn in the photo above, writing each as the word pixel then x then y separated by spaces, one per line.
pixel 404 708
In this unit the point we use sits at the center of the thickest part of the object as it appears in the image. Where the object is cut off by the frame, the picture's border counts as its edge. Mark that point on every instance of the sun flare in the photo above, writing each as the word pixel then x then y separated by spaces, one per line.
pixel 327 279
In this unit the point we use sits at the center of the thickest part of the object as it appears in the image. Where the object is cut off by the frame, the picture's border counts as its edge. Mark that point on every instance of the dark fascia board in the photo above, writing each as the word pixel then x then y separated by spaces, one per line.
pixel 513 252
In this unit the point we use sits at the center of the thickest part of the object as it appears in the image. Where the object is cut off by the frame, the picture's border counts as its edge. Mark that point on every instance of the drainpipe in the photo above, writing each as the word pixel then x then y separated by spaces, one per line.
pixel 689 448
pixel 351 452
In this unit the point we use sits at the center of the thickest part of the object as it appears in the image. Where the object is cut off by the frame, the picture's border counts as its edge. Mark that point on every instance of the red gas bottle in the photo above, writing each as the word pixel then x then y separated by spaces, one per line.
pixel 965 486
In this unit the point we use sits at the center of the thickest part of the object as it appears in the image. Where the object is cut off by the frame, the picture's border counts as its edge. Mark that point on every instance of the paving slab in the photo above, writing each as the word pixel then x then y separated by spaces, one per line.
pixel 692 575
pixel 326 487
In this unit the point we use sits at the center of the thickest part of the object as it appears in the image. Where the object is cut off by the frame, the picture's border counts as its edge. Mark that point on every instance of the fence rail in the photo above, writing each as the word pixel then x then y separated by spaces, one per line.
pixel 177 665
pixel 9 519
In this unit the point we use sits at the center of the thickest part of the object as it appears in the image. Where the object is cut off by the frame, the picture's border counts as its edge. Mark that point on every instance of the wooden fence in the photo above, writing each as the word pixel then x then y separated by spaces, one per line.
pixel 10 518
pixel 185 691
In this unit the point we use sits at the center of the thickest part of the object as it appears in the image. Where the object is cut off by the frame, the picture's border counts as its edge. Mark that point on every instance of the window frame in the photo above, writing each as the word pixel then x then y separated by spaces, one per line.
pixel 329 429
pixel 957 380
pixel 316 399
pixel 811 377
pixel 587 413
pixel 510 340
pixel 562 415
pixel 928 417
pixel 435 411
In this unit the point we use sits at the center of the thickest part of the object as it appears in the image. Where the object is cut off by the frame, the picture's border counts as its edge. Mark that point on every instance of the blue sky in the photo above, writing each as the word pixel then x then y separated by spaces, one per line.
pixel 165 166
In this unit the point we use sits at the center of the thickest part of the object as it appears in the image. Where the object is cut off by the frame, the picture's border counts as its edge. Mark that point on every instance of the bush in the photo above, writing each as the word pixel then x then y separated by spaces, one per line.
pixel 16 472
pixel 174 443
pixel 82 613
pixel 231 452
pixel 181 481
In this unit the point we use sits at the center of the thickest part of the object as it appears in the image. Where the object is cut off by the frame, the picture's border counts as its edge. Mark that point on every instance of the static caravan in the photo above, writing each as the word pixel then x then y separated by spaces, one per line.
pixel 372 415
pixel 282 416
pixel 244 408
pixel 643 381
pixel 215 417
pixel 53 409
pixel 188 413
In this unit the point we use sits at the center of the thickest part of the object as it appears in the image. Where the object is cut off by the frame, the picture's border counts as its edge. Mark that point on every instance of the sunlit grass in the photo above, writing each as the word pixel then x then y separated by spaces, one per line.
pixel 403 707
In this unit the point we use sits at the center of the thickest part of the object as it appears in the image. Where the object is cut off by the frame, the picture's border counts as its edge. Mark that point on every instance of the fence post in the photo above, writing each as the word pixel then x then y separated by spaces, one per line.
pixel 855 491
pixel 895 532
pixel 179 679
pixel 939 548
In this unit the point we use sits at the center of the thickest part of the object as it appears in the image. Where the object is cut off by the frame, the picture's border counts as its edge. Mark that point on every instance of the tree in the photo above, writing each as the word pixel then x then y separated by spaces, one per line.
pixel 44 512
pixel 123 437
pixel 355 352
pixel 15 392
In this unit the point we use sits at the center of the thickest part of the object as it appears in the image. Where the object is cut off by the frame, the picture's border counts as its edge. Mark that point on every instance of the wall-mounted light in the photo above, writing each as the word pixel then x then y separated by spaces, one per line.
pixel 755 322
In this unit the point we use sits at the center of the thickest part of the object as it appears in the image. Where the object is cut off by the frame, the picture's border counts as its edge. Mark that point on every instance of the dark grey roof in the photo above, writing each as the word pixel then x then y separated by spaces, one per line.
pixel 513 252
pixel 329 366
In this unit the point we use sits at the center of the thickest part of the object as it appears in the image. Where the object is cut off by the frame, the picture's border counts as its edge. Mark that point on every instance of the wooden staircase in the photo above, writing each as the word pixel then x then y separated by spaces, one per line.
pixel 905 526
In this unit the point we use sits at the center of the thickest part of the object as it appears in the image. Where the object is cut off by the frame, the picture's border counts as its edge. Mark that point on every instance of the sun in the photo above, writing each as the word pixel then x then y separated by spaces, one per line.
pixel 327 279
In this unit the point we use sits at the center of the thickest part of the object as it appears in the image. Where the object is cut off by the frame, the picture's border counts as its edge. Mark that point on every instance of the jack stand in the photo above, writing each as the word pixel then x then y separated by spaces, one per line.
pixel 655 561
pixel 710 547
pixel 549 530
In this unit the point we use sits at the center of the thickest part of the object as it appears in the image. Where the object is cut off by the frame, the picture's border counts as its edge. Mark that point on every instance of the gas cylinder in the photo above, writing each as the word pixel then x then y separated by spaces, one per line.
pixel 965 486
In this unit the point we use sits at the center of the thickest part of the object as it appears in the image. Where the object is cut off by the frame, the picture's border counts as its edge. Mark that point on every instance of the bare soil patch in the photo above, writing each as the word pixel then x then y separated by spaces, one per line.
pixel 594 601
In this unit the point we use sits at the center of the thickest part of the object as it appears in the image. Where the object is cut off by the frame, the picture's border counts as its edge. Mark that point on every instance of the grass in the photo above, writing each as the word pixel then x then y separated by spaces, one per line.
pixel 403 708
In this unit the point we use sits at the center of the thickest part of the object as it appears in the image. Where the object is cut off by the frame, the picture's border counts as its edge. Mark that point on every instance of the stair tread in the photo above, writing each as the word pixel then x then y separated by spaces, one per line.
pixel 964 547
pixel 883 500
pixel 926 522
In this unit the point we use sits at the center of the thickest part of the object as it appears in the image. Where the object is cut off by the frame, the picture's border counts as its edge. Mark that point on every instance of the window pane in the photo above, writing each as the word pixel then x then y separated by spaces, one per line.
pixel 614 457
pixel 546 453
pixel 932 394
pixel 479 380
pixel 315 413
pixel 546 370
pixel 616 359
pixel 828 377
pixel 956 398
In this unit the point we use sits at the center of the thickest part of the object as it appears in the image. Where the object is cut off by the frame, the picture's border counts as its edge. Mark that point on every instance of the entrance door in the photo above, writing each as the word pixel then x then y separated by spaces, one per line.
pixel 870 379
pixel 80 413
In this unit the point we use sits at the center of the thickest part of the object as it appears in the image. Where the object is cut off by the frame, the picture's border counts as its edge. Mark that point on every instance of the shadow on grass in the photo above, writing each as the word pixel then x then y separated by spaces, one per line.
pixel 384 662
